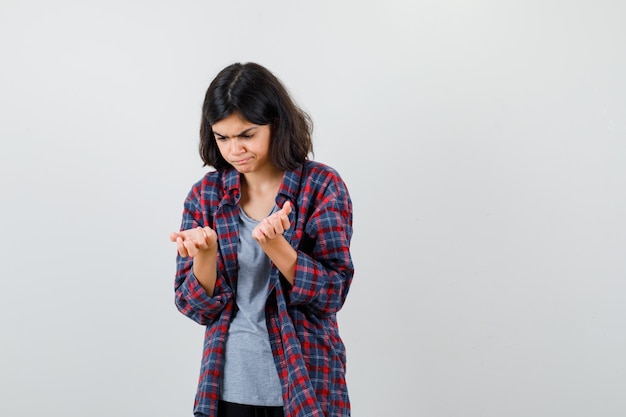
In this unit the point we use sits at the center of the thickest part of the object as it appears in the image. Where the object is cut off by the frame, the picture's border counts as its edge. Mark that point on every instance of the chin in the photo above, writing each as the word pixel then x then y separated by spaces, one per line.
pixel 244 169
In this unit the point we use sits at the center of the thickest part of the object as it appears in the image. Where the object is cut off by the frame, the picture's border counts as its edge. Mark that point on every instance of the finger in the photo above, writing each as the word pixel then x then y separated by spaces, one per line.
pixel 182 251
pixel 173 236
pixel 258 235
pixel 190 245
pixel 262 230
pixel 285 223
pixel 280 223
pixel 269 229
pixel 284 219
pixel 265 228
pixel 206 234
pixel 200 238
pixel 277 225
pixel 212 237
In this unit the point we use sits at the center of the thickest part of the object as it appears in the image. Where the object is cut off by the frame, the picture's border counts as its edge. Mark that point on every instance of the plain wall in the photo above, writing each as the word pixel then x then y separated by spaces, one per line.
pixel 483 143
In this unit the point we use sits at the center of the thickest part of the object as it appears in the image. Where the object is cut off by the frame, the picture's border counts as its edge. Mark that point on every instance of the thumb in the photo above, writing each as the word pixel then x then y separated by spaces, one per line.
pixel 287 207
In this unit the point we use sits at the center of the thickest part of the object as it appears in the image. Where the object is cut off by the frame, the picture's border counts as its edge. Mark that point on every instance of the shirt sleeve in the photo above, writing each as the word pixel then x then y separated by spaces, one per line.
pixel 190 298
pixel 324 268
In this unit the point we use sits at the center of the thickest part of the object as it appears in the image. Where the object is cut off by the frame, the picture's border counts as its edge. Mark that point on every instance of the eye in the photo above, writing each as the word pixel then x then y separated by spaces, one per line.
pixel 220 138
pixel 247 136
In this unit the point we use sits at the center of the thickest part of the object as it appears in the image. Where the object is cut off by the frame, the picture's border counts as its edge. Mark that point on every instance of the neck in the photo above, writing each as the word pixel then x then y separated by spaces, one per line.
pixel 270 178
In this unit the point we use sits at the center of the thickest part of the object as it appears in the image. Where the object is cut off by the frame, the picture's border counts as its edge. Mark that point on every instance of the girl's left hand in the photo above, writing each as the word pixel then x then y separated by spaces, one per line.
pixel 273 225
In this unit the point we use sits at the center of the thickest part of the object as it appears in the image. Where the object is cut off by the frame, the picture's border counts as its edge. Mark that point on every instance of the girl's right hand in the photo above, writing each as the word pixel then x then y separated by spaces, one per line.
pixel 190 242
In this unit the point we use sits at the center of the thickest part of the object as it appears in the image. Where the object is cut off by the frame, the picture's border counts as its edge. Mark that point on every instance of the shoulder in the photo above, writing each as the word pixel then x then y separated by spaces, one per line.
pixel 320 177
pixel 320 172
pixel 210 186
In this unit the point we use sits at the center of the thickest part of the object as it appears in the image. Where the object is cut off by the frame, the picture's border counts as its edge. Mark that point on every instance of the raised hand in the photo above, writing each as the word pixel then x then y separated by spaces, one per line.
pixel 190 242
pixel 273 225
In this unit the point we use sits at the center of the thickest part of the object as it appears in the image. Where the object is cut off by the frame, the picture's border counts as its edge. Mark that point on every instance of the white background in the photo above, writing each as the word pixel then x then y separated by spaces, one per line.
pixel 483 143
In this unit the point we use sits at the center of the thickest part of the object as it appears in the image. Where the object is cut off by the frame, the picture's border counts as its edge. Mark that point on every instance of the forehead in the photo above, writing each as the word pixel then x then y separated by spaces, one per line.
pixel 232 125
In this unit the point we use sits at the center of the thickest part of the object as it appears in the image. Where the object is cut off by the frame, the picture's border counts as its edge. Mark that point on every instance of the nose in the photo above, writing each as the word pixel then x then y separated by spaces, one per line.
pixel 236 146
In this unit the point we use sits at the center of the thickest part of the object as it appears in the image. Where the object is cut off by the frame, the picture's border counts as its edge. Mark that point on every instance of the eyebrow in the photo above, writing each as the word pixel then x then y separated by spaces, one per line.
pixel 237 135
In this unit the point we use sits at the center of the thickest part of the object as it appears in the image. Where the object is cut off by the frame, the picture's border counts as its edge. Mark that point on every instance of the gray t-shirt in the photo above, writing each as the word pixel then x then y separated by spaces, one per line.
pixel 250 375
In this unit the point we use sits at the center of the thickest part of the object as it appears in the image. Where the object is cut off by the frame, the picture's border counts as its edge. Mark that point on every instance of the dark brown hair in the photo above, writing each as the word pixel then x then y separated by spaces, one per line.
pixel 259 97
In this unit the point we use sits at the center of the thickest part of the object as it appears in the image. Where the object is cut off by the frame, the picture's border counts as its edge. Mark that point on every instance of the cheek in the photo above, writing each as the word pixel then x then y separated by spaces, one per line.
pixel 222 148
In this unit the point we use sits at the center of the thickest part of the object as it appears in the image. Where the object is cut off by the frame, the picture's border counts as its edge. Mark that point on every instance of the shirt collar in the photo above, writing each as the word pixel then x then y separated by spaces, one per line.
pixel 231 183
pixel 287 191
pixel 290 185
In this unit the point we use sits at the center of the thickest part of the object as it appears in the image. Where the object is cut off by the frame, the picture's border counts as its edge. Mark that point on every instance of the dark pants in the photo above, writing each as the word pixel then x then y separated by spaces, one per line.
pixel 226 409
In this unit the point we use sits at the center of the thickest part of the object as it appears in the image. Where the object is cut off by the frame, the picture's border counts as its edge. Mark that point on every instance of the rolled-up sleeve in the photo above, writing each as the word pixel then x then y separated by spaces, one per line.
pixel 190 298
pixel 323 273
pixel 193 301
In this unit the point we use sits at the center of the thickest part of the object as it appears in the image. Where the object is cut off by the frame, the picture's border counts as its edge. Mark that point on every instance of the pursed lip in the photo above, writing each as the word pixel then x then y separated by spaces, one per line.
pixel 242 161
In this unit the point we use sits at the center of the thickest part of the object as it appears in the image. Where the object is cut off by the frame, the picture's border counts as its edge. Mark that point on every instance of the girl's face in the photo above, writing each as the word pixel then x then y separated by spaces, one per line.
pixel 242 144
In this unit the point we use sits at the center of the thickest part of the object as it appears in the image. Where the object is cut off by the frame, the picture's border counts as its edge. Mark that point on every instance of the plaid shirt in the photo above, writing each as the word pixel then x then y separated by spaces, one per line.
pixel 301 319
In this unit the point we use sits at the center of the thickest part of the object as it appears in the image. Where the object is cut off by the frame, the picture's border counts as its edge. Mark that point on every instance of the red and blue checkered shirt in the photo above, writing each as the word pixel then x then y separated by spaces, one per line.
pixel 301 319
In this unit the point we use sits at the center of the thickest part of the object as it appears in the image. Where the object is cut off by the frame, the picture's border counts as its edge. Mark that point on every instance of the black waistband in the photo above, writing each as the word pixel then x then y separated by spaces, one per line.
pixel 228 409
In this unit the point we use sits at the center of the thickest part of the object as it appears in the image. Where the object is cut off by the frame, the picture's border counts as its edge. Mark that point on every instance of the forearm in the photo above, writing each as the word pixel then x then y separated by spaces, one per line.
pixel 205 269
pixel 322 283
pixel 283 256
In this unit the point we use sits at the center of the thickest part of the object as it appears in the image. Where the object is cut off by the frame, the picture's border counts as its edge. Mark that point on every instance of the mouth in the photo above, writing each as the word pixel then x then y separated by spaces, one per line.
pixel 241 161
